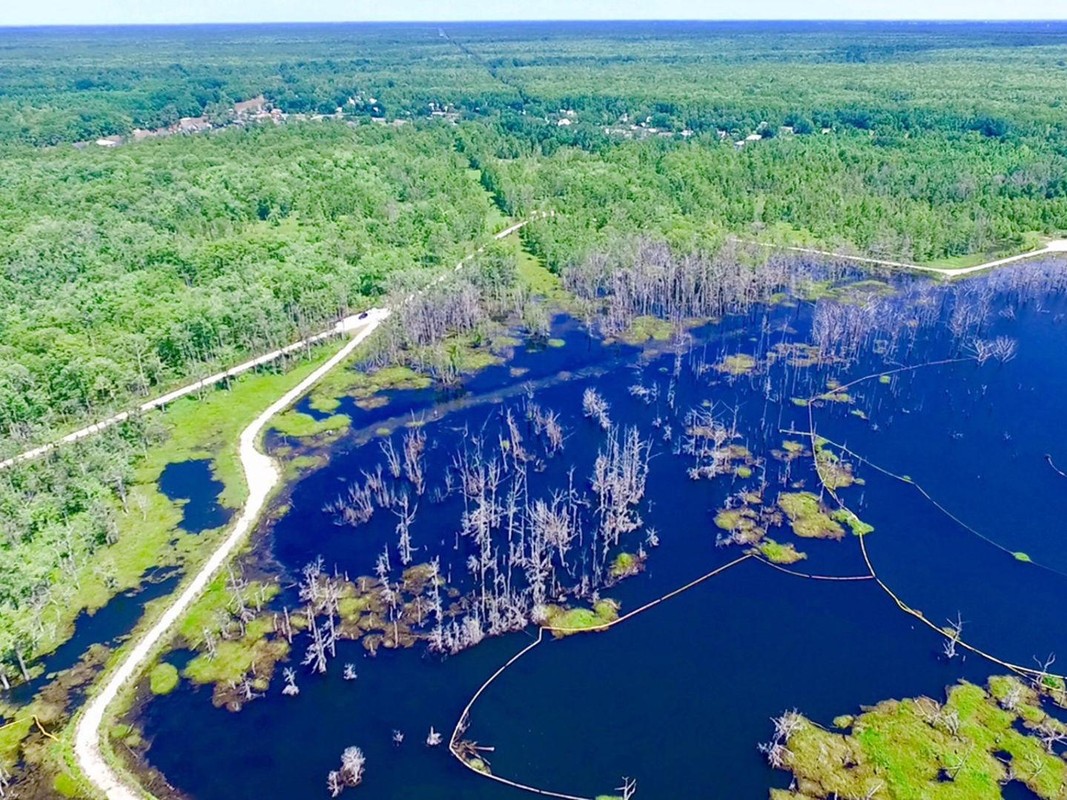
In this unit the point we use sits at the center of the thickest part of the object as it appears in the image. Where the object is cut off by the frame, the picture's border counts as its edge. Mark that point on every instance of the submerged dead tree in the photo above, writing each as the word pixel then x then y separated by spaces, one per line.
pixel 619 475
pixel 644 277
pixel 596 408
pixel 350 774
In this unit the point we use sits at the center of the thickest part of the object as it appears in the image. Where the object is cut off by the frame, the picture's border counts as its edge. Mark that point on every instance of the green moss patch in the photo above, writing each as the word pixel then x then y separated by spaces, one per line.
pixel 743 524
pixel 163 679
pixel 778 553
pixel 565 622
pixel 834 471
pixel 808 517
pixel 624 565
pixel 66 785
pixel 736 365
pixel 300 425
pixel 967 748
pixel 847 517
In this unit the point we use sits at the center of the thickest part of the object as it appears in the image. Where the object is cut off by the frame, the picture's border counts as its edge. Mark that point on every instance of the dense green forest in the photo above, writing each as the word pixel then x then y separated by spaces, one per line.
pixel 127 269
pixel 123 270
pixel 999 79
pixel 922 198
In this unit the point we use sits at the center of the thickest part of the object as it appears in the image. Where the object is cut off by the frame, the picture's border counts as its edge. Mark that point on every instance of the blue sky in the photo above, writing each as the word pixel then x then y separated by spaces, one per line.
pixel 68 12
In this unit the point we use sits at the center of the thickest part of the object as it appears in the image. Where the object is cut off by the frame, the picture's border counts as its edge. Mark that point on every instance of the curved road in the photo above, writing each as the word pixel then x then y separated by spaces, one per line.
pixel 1055 246
pixel 344 326
pixel 261 476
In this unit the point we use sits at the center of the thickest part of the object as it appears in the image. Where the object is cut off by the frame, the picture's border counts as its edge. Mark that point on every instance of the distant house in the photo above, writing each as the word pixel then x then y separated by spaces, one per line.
pixel 193 124
pixel 109 141
pixel 753 137
pixel 249 108
pixel 564 122
pixel 140 134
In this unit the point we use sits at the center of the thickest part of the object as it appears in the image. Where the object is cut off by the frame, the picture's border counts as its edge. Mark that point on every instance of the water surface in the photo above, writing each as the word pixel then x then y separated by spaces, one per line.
pixel 678 697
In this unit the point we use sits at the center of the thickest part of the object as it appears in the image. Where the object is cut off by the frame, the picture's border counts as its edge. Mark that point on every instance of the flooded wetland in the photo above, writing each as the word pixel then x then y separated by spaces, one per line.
pixel 855 481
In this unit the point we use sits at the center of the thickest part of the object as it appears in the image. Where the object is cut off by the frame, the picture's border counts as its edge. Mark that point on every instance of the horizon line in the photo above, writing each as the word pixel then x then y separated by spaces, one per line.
pixel 729 20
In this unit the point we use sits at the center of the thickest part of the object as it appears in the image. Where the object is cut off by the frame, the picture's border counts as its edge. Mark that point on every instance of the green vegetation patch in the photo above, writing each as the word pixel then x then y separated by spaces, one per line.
pixel 837 396
pixel 736 365
pixel 847 517
pixel 624 565
pixel 234 660
pixel 778 553
pixel 363 384
pixel 743 524
pixel 163 679
pixel 11 736
pixel 808 517
pixel 235 643
pixel 300 425
pixel 66 785
pixel 565 622
pixel 918 749
pixel 647 328
pixel 834 472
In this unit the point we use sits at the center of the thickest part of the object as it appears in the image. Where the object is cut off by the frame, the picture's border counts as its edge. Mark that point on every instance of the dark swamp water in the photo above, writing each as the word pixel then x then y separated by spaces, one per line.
pixel 108 626
pixel 679 696
pixel 192 484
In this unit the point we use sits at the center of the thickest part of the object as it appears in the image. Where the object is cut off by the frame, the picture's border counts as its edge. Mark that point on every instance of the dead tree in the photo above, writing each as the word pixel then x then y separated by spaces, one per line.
pixel 350 773
pixel 392 458
pixel 628 788
pixel 1000 348
pixel 954 631
pixel 1042 678
pixel 291 689
pixel 414 445
pixel 405 516
pixel 596 407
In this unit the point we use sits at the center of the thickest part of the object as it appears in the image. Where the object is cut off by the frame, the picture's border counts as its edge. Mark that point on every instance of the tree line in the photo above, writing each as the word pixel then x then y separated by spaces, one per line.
pixel 122 271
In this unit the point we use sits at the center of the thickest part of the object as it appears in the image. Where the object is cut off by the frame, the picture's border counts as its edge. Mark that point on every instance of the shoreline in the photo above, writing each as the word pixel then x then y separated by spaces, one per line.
pixel 262 476
pixel 1053 247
